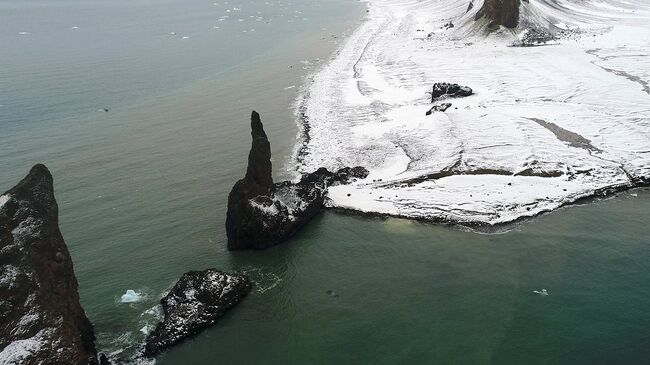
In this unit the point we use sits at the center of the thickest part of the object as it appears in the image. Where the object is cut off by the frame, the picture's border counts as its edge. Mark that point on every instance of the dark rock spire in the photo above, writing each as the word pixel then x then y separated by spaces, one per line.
pixel 262 214
pixel 258 173
pixel 41 320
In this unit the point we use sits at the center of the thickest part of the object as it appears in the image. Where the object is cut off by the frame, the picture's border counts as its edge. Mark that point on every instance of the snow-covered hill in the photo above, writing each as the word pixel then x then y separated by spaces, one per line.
pixel 546 126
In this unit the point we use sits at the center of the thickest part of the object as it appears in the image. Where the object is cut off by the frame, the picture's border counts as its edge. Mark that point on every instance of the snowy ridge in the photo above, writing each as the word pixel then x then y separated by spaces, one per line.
pixel 547 125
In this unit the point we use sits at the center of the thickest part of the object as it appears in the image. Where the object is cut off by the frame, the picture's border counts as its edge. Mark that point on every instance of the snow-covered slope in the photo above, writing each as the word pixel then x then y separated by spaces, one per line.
pixel 547 125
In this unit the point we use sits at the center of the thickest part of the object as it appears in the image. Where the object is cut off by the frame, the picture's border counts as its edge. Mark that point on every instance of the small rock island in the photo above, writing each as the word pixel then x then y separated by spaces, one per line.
pixel 195 302
pixel 261 213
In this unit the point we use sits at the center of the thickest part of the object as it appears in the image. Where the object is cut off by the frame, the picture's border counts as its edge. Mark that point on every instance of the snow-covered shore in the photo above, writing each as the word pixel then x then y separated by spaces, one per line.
pixel 547 125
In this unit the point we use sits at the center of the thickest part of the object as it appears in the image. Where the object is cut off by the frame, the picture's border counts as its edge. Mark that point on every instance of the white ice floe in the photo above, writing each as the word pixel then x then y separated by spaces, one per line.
pixel 542 292
pixel 131 296
pixel 546 126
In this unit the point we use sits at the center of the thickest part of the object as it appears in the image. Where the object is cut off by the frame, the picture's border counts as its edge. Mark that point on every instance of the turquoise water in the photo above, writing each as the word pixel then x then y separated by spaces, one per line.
pixel 142 191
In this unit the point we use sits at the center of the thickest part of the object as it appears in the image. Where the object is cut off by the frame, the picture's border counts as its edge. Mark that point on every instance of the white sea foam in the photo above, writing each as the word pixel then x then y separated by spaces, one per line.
pixel 510 150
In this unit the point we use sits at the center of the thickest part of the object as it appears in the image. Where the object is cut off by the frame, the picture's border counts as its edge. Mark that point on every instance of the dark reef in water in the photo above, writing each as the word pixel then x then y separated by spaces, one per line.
pixel 500 13
pixel 261 213
pixel 196 301
pixel 41 320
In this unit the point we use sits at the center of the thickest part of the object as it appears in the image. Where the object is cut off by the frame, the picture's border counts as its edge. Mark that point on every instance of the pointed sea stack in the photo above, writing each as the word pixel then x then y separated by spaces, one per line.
pixel 500 13
pixel 41 320
pixel 262 214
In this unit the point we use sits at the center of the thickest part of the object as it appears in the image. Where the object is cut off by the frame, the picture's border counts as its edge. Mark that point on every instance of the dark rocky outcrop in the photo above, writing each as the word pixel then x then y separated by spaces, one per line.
pixel 196 301
pixel 41 320
pixel 500 13
pixel 450 90
pixel 535 36
pixel 439 108
pixel 262 214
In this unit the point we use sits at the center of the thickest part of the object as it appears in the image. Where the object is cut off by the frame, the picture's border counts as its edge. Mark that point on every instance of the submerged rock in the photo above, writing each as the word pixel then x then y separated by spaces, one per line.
pixel 195 302
pixel 500 13
pixel 452 90
pixel 262 213
pixel 41 320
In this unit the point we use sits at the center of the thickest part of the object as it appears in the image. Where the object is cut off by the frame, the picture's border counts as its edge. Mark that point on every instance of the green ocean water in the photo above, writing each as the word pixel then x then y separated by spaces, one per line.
pixel 142 191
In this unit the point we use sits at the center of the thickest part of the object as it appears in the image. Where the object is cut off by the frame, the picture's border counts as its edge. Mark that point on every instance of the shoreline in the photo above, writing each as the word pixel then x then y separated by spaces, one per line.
pixel 331 139
pixel 497 228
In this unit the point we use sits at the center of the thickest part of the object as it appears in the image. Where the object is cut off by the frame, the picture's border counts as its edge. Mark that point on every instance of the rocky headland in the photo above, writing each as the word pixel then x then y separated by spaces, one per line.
pixel 499 13
pixel 41 319
pixel 196 301
pixel 261 213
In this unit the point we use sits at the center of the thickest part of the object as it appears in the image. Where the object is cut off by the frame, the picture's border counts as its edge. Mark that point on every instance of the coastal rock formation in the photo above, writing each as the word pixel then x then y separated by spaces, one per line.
pixel 262 214
pixel 500 13
pixel 41 320
pixel 452 90
pixel 195 302
pixel 439 108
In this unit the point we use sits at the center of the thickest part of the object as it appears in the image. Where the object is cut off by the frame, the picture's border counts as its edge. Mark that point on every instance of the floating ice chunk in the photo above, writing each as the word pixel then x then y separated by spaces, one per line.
pixel 542 292
pixel 290 87
pixel 23 33
pixel 172 33
pixel 74 27
pixel 130 297
pixel 186 37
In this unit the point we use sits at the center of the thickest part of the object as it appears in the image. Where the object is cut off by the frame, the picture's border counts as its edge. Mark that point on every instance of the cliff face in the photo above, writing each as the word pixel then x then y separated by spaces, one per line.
pixel 41 320
pixel 500 13
pixel 262 214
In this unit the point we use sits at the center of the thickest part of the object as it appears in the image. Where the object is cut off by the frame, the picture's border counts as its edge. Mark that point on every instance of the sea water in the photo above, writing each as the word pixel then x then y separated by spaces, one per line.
pixel 142 189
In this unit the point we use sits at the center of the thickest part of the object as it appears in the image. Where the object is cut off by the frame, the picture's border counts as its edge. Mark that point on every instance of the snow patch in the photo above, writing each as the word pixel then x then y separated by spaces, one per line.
pixel 4 199
pixel 20 350
pixel 546 125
